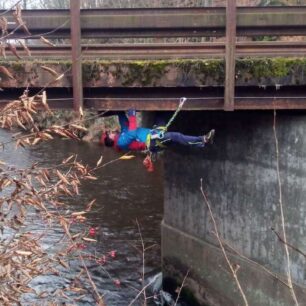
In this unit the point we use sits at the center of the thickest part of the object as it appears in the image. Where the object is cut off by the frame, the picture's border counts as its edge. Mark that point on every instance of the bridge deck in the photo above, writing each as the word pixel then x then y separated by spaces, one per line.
pixel 235 77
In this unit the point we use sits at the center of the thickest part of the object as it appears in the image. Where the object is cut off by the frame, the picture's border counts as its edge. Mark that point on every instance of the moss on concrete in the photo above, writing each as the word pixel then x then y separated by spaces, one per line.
pixel 270 67
pixel 185 72
pixel 90 70
pixel 149 73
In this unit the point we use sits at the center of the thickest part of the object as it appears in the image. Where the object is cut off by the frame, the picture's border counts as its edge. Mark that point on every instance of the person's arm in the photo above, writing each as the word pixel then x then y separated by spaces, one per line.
pixel 132 119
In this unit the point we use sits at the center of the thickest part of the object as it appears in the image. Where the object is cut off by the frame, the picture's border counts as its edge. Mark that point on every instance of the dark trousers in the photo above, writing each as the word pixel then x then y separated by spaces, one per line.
pixel 185 140
pixel 171 138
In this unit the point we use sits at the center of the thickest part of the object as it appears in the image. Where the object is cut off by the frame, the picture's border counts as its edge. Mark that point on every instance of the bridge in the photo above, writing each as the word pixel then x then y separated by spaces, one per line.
pixel 214 75
pixel 257 161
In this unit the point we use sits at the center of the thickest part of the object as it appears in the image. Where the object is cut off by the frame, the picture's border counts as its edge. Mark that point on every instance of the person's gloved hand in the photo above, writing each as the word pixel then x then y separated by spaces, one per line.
pixel 131 112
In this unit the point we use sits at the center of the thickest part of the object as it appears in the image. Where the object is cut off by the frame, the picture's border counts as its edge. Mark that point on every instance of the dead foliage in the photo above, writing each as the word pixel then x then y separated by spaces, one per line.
pixel 39 191
pixel 22 257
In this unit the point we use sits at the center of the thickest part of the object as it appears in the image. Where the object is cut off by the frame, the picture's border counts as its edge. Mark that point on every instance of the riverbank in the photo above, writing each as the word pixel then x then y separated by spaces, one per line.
pixel 91 121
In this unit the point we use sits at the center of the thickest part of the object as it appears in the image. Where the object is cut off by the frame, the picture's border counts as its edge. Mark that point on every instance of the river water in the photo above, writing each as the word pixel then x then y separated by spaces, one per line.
pixel 125 192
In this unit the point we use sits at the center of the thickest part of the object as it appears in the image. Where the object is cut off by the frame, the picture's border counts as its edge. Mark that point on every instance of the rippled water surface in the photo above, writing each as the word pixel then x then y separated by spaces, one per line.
pixel 125 191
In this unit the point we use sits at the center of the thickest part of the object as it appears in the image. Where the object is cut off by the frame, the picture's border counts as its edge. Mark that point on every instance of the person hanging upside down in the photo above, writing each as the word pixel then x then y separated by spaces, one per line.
pixel 134 138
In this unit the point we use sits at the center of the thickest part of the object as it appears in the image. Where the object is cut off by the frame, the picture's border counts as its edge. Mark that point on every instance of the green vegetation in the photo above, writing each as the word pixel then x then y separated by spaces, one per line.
pixel 145 73
pixel 162 72
pixel 259 69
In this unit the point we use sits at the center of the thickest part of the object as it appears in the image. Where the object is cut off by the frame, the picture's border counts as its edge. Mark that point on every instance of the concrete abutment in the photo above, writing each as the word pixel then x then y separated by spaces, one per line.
pixel 240 179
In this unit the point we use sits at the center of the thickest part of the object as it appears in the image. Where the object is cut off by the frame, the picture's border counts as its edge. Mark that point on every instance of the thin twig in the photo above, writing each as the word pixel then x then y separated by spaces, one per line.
pixel 46 33
pixel 253 262
pixel 179 292
pixel 11 33
pixel 140 292
pixel 143 263
pixel 289 245
pixel 233 270
pixel 9 9
pixel 282 213
pixel 99 297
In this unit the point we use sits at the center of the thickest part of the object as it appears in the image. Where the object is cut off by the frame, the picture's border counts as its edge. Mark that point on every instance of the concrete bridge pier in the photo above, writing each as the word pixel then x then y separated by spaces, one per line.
pixel 240 179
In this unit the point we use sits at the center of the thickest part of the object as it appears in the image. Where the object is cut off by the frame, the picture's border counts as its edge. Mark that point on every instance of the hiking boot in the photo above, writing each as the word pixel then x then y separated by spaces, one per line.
pixel 209 137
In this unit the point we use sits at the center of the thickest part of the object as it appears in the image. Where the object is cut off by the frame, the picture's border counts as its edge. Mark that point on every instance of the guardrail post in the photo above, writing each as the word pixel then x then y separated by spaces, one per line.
pixel 230 55
pixel 76 52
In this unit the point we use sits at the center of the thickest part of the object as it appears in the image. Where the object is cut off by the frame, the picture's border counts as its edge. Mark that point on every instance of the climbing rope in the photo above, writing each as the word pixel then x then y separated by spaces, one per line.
pixel 157 137
pixel 181 104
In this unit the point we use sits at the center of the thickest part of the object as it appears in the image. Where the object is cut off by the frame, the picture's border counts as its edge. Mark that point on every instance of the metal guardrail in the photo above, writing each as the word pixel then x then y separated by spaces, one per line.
pixel 230 22
pixel 164 51
pixel 166 22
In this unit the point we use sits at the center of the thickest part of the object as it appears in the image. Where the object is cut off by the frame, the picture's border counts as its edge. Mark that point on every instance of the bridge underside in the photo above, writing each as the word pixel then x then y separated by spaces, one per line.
pixel 261 83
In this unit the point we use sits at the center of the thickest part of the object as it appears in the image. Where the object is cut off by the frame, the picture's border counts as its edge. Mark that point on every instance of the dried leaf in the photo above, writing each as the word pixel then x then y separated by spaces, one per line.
pixel 2 50
pixel 20 123
pixel 59 78
pixel 50 70
pixel 76 189
pixel 18 18
pixel 23 253
pixel 63 263
pixel 47 42
pixel 71 135
pixel 89 205
pixel 26 49
pixel 78 213
pixel 44 101
pixel 3 25
pixel 6 72
pixel 13 50
pixel 90 177
pixel 127 157
pixel 46 136
pixel 65 189
pixel 89 239
pixel 62 177
pixel 36 141
pixel 79 127
pixel 65 161
pixel 81 111
pixel 44 98
pixel 64 224
pixel 46 174
pixel 60 132
pixel 99 161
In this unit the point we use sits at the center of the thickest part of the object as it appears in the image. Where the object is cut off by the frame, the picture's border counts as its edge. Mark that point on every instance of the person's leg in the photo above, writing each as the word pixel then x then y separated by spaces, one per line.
pixel 185 140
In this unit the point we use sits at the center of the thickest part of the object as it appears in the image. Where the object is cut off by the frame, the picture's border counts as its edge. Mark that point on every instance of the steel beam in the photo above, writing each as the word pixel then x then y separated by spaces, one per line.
pixel 212 103
pixel 165 51
pixel 156 100
pixel 166 22
pixel 230 56
pixel 268 103
pixel 76 53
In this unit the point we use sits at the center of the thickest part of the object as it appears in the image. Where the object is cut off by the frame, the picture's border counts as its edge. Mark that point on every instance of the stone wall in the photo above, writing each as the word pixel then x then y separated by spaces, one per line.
pixel 240 180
